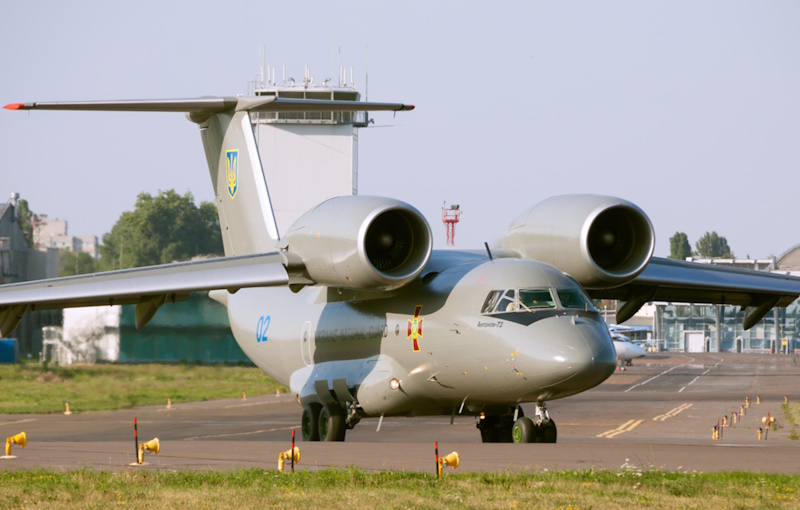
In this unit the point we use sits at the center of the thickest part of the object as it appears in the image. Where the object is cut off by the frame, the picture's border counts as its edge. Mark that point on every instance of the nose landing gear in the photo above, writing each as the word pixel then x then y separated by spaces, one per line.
pixel 542 429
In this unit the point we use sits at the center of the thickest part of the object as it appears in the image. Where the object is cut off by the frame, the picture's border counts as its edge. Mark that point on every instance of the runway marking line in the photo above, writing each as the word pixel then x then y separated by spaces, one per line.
pixel 674 412
pixel 657 376
pixel 625 427
pixel 26 420
pixel 704 373
pixel 242 433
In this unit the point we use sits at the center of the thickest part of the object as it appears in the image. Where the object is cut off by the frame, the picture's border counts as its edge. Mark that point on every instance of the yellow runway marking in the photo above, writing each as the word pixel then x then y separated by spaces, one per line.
pixel 672 413
pixel 625 427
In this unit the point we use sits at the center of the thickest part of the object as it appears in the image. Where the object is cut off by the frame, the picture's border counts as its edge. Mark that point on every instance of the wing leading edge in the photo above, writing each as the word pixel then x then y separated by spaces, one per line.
pixel 757 292
pixel 148 287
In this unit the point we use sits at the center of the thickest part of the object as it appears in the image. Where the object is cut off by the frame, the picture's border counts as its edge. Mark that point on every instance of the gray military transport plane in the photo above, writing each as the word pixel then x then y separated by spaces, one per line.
pixel 353 310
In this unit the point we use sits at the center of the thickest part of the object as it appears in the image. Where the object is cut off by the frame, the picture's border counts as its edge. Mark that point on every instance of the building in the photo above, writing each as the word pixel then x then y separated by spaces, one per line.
pixel 718 328
pixel 20 262
pixel 49 233
pixel 308 157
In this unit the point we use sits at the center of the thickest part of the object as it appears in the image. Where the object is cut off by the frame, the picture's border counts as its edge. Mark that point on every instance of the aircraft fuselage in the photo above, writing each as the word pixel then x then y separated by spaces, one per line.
pixel 433 337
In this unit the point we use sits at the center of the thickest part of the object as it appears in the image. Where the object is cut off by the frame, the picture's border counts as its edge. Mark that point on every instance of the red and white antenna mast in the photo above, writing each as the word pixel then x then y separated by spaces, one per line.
pixel 450 216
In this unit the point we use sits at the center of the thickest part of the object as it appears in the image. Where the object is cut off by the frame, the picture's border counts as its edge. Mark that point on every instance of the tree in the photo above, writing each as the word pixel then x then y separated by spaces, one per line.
pixel 71 263
pixel 712 245
pixel 679 247
pixel 162 229
pixel 24 217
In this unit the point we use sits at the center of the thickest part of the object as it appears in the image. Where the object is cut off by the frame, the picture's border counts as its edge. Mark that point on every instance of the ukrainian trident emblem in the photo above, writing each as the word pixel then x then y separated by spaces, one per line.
pixel 232 171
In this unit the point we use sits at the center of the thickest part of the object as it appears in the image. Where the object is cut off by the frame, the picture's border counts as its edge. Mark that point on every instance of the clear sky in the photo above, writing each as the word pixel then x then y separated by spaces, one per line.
pixel 689 109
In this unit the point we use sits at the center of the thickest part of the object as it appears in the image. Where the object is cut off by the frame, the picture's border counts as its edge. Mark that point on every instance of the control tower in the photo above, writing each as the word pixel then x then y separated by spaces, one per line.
pixel 307 157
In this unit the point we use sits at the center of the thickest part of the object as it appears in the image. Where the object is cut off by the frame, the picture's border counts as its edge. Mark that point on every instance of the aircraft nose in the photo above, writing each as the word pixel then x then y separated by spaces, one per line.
pixel 579 352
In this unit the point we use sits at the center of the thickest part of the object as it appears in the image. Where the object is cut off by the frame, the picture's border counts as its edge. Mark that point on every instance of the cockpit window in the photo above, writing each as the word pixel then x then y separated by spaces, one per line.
pixel 507 303
pixel 532 299
pixel 491 301
pixel 499 301
pixel 573 298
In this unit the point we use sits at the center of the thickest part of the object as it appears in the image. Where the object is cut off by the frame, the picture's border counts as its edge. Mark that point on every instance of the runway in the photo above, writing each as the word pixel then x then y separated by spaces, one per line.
pixel 657 414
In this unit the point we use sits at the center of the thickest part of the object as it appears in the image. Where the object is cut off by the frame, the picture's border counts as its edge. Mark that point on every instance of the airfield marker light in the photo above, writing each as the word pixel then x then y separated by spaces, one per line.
pixel 244 395
pixel 394 384
pixel 714 433
pixel 169 403
pixel 758 398
pixel 67 412
pixel 452 459
pixel 759 433
pixel 154 446
pixel 21 439
pixel 786 399
pixel 293 454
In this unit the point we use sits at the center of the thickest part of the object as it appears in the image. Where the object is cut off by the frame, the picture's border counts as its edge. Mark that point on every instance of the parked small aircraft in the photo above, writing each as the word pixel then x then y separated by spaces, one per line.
pixel 626 350
pixel 354 311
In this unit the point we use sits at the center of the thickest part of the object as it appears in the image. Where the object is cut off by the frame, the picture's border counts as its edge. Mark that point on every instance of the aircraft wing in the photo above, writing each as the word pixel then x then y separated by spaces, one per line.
pixel 147 287
pixel 689 282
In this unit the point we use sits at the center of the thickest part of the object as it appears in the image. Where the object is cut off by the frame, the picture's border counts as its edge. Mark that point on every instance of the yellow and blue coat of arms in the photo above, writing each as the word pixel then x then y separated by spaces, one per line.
pixel 232 171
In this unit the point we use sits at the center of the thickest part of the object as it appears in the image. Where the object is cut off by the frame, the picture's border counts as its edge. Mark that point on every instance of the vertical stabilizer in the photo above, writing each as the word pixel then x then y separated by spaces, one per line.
pixel 245 211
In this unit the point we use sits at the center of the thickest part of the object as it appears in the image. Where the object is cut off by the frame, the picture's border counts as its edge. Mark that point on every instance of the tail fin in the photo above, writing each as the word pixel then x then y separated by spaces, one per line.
pixel 242 198
pixel 245 211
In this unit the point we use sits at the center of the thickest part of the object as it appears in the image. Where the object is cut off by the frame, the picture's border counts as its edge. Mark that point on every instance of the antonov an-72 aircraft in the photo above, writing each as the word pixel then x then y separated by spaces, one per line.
pixel 353 310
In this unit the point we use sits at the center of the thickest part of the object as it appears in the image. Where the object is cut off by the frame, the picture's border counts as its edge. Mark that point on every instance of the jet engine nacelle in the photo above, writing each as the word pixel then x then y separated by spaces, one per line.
pixel 361 242
pixel 600 241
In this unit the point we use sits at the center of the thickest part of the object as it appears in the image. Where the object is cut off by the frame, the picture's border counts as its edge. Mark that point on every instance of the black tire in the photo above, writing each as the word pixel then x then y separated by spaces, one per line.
pixel 309 423
pixel 549 432
pixel 331 423
pixel 490 429
pixel 523 430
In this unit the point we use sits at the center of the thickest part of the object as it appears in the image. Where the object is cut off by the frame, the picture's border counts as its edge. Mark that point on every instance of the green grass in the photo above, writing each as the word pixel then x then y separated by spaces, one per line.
pixel 30 388
pixel 353 488
pixel 792 413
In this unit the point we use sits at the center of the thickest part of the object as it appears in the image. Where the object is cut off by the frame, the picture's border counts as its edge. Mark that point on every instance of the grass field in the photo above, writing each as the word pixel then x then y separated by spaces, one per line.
pixel 30 388
pixel 352 488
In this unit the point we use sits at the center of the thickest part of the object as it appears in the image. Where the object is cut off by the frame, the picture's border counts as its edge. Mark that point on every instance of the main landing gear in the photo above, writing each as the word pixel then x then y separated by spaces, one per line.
pixel 326 422
pixel 502 428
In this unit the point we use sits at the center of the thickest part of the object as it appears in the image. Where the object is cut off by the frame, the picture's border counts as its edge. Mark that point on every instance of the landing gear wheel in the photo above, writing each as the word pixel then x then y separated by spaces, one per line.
pixel 497 428
pixel 309 423
pixel 549 432
pixel 523 430
pixel 331 423
pixel 546 432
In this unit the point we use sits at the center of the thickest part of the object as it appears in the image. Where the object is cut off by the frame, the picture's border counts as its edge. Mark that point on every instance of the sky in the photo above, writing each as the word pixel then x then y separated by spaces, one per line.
pixel 691 110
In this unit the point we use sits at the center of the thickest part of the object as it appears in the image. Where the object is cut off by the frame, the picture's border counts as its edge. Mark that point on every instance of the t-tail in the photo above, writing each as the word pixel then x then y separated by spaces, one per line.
pixel 241 193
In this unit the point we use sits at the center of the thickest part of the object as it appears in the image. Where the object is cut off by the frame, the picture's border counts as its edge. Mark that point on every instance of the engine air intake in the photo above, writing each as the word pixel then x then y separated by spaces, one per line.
pixel 614 238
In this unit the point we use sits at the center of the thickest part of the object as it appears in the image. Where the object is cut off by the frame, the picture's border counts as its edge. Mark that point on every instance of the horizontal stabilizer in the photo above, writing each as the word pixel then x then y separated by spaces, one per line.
pixel 212 105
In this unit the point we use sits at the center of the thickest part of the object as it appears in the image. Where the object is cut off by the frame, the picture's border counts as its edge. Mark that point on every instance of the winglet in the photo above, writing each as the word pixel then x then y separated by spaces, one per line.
pixel 14 106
